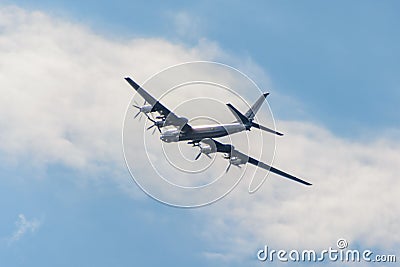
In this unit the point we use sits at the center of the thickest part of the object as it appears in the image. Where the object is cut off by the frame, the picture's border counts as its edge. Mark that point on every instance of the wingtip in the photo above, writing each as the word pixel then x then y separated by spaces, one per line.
pixel 132 83
pixel 306 183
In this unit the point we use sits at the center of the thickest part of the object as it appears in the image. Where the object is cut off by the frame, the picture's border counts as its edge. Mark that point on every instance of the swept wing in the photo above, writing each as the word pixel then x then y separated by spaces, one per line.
pixel 171 118
pixel 229 149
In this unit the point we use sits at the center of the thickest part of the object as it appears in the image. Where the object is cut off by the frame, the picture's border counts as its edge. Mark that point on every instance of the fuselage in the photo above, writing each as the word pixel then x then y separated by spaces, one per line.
pixel 200 132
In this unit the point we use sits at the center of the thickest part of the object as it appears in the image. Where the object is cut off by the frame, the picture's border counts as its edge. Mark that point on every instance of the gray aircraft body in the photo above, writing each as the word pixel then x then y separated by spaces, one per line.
pixel 202 135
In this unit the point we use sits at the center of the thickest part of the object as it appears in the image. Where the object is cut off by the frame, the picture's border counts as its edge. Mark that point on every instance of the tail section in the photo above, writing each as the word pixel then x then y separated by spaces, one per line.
pixel 247 119
pixel 256 106
pixel 239 116
pixel 258 126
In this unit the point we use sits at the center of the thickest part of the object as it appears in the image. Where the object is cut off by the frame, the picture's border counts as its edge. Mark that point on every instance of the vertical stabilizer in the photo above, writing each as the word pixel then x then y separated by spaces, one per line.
pixel 255 107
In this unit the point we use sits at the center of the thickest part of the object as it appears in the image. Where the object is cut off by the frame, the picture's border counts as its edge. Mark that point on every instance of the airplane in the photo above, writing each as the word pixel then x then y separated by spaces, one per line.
pixel 205 134
pixel 194 134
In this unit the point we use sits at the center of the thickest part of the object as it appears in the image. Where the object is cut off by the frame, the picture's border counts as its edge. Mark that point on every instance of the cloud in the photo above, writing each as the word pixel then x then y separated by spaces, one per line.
pixel 24 226
pixel 354 195
pixel 63 93
pixel 63 102
pixel 187 25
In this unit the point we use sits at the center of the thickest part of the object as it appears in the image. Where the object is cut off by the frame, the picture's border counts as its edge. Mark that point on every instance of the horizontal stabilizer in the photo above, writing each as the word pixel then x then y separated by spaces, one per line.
pixel 258 126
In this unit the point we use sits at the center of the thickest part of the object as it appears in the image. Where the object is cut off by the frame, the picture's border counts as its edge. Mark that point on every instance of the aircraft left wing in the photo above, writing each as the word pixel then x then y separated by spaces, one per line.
pixel 171 118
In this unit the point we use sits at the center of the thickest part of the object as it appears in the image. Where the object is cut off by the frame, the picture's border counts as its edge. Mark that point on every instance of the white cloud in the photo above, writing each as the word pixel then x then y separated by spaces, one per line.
pixel 354 195
pixel 187 25
pixel 24 226
pixel 63 93
pixel 63 100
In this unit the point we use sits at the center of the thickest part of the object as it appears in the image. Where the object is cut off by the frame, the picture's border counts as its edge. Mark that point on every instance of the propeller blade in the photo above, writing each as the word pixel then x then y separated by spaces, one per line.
pixel 154 130
pixel 137 114
pixel 153 121
pixel 198 156
pixel 141 115
pixel 136 106
pixel 151 126
pixel 147 116
pixel 208 156
pixel 229 166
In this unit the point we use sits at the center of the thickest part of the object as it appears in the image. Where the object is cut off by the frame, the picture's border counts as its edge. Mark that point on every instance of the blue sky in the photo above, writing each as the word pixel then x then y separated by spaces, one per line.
pixel 326 55
pixel 332 64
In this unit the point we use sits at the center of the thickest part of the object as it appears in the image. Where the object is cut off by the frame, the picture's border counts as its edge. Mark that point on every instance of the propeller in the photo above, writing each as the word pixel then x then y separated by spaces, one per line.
pixel 229 157
pixel 200 152
pixel 136 105
pixel 152 126
pixel 155 124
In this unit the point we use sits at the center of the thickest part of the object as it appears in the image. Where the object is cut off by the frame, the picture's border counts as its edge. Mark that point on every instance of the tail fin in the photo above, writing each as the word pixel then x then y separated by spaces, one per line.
pixel 256 106
pixel 247 119
pixel 239 116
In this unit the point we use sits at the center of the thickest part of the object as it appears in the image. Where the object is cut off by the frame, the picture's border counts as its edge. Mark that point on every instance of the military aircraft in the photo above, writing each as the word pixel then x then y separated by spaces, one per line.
pixel 204 134
pixel 184 131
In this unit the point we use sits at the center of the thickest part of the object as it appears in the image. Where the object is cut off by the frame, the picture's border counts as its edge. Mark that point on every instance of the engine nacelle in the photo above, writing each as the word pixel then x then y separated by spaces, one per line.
pixel 236 161
pixel 146 108
pixel 159 123
pixel 206 149
pixel 170 136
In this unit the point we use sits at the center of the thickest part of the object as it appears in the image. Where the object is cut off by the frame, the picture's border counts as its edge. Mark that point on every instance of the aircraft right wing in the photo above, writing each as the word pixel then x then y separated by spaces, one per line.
pixel 171 118
pixel 276 171
pixel 267 167
pixel 229 149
